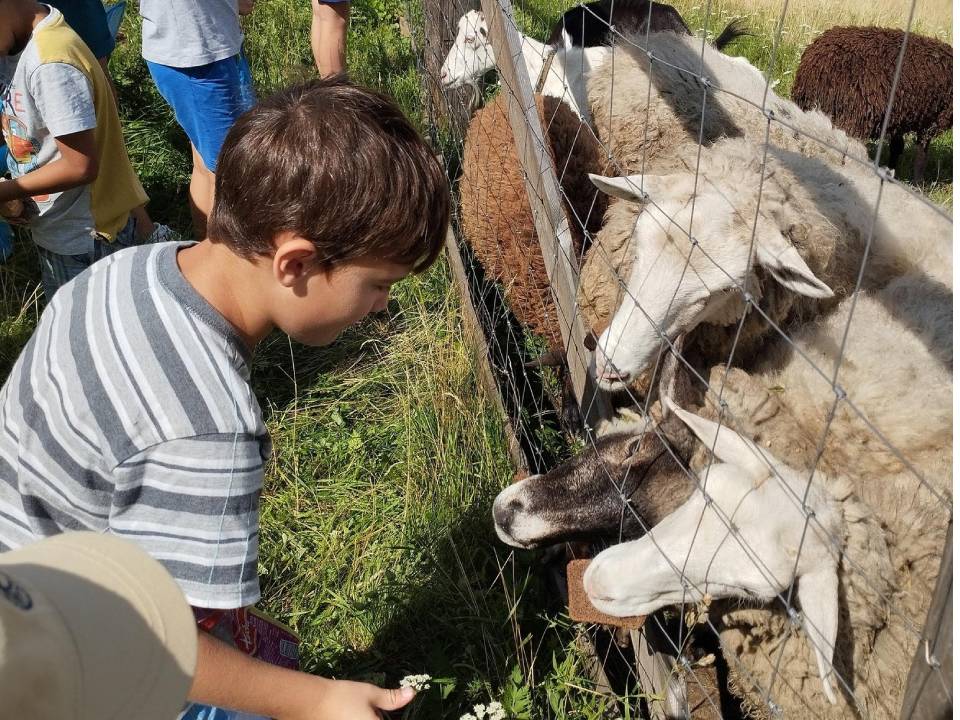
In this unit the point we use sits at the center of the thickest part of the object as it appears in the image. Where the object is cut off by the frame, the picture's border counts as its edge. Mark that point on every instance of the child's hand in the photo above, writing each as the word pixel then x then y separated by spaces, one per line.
pixel 346 700
pixel 12 212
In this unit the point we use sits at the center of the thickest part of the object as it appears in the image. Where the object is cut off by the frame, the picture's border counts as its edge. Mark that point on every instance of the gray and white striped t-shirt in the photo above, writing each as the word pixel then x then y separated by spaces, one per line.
pixel 130 411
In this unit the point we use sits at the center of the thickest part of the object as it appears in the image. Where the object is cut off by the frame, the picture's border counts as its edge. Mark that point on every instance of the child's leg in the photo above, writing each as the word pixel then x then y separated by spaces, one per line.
pixel 202 183
pixel 328 36
pixel 57 270
pixel 206 101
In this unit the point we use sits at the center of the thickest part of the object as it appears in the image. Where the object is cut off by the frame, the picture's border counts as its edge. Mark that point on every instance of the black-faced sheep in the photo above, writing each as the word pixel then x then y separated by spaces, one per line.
pixel 589 24
pixel 496 217
pixel 578 51
pixel 848 72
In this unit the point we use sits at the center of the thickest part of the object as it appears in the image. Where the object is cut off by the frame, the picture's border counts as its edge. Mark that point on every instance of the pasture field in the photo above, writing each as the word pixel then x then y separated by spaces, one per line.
pixel 376 541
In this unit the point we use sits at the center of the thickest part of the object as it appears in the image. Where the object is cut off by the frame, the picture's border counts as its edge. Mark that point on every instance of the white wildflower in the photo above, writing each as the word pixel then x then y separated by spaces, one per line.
pixel 417 682
pixel 479 711
pixel 467 716
pixel 495 711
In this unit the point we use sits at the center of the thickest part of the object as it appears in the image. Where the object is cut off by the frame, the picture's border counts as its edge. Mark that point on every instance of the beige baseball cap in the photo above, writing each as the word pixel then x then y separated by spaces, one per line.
pixel 92 627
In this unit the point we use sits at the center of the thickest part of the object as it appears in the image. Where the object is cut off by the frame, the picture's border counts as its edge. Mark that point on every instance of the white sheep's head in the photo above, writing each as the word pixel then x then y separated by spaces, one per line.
pixel 743 534
pixel 674 284
pixel 471 55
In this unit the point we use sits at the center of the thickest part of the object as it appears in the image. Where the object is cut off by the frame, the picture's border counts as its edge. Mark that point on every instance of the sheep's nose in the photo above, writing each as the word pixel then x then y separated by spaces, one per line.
pixel 598 582
pixel 590 341
pixel 606 370
pixel 504 513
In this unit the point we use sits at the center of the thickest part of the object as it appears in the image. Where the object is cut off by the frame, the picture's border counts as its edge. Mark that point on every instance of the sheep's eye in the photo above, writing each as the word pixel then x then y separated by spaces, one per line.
pixel 482 31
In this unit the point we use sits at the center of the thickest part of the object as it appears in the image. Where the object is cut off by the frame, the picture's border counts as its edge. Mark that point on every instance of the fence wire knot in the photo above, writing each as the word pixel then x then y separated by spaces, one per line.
pixel 840 392
pixel 884 173
pixel 931 659
pixel 794 617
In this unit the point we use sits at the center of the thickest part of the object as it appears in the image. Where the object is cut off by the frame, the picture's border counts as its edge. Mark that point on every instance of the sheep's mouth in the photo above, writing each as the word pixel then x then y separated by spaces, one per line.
pixel 612 381
pixel 508 539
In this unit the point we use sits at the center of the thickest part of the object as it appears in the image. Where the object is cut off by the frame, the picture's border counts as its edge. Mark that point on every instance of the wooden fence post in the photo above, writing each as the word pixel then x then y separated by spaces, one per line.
pixel 454 107
pixel 930 682
pixel 543 191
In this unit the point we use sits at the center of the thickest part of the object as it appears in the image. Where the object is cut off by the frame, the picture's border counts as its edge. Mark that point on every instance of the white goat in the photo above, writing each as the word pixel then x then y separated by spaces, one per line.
pixel 471 56
pixel 737 537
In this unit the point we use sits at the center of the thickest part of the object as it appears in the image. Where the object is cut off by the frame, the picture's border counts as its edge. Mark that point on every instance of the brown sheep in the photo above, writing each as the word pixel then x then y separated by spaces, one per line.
pixel 848 73
pixel 496 217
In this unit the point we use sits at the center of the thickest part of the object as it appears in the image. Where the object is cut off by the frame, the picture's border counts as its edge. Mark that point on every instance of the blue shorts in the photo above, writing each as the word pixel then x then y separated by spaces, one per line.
pixel 88 20
pixel 206 100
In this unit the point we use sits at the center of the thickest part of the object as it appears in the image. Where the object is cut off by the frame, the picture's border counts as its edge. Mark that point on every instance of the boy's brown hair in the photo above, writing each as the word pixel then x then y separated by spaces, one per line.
pixel 337 164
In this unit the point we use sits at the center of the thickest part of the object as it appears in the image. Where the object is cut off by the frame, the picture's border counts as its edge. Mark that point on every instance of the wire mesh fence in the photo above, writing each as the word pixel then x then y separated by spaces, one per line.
pixel 717 314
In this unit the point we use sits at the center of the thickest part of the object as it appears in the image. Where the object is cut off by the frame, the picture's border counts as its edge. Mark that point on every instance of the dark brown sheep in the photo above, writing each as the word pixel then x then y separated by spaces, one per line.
pixel 496 216
pixel 848 72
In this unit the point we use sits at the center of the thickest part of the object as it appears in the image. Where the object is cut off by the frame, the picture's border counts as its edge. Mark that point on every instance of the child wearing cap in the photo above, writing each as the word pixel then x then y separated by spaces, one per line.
pixel 193 52
pixel 92 628
pixel 130 409
pixel 67 160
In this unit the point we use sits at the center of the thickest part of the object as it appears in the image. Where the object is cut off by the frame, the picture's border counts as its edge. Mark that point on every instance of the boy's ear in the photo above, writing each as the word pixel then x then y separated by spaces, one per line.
pixel 293 258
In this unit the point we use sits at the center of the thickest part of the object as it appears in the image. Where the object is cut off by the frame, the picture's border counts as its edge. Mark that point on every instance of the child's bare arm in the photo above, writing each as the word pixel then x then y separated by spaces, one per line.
pixel 77 165
pixel 228 678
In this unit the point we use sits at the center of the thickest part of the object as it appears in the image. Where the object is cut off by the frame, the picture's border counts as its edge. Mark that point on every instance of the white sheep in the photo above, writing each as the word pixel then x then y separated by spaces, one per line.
pixel 891 527
pixel 797 254
pixel 648 102
pixel 650 116
pixel 471 56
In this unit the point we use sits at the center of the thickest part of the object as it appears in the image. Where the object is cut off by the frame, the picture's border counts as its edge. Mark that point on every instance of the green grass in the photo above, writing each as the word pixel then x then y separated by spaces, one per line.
pixel 376 539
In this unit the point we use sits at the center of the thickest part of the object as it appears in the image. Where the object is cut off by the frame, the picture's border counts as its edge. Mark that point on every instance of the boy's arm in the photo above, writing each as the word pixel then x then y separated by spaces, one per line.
pixel 228 678
pixel 193 504
pixel 77 165
pixel 63 98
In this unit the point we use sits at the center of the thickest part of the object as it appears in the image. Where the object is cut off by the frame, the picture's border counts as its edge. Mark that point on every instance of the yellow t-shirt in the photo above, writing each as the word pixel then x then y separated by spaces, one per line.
pixel 55 87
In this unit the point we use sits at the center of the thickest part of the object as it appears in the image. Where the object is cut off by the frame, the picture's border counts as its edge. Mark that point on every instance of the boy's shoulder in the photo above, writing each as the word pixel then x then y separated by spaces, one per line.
pixel 55 41
pixel 149 348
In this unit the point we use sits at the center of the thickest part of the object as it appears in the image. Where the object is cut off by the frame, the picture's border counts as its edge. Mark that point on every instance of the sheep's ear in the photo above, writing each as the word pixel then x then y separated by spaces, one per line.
pixel 728 445
pixel 626 187
pixel 781 259
pixel 818 597
pixel 676 386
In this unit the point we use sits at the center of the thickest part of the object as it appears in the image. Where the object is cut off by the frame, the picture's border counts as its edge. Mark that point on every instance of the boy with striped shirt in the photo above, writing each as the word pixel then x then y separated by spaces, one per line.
pixel 130 409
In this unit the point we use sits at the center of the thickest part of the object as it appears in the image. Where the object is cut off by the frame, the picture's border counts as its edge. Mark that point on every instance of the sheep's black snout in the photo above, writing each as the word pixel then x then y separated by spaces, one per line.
pixel 504 513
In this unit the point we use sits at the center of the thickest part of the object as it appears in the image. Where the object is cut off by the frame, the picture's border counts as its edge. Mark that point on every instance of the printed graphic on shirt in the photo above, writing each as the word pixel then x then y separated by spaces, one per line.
pixel 23 148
